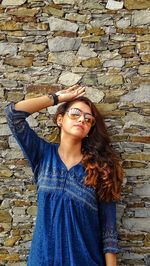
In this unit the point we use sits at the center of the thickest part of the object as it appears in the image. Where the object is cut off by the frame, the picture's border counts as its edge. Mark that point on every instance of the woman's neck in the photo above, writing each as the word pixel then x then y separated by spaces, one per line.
pixel 70 153
pixel 70 149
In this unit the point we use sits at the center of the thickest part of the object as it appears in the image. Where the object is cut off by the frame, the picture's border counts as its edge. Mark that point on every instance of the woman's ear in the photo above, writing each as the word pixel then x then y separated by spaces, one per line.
pixel 59 120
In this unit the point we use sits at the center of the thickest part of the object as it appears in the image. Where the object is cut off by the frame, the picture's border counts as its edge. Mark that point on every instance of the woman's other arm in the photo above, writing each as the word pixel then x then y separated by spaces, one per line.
pixel 111 259
pixel 34 105
pixel 107 214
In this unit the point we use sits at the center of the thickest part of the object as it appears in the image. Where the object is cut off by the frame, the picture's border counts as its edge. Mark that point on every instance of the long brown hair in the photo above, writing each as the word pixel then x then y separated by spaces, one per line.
pixel 102 164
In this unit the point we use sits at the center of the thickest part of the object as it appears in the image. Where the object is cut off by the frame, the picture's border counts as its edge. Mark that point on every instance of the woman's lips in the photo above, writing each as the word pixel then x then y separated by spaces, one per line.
pixel 79 126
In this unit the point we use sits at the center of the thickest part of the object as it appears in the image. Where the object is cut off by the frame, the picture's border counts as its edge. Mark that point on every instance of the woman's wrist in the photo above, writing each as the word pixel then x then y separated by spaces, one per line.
pixel 54 97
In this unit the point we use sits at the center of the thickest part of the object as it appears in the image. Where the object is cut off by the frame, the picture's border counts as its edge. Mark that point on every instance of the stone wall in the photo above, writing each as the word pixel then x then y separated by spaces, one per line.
pixel 105 46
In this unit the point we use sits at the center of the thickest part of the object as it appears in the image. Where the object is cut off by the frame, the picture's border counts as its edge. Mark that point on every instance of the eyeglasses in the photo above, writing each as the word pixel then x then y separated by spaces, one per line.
pixel 76 113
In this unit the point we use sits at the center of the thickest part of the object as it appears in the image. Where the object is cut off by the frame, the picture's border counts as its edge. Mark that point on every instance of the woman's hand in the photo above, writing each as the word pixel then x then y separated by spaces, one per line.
pixel 70 93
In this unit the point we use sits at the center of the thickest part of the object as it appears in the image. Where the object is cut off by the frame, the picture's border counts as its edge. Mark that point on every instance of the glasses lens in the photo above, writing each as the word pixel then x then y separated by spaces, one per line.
pixel 90 120
pixel 74 113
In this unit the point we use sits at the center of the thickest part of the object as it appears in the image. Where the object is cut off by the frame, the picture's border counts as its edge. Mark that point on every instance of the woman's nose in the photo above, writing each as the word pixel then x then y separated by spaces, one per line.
pixel 81 118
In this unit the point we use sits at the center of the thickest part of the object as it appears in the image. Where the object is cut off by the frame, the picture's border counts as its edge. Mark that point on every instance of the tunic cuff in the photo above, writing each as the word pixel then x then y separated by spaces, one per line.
pixel 15 118
pixel 110 241
pixel 10 111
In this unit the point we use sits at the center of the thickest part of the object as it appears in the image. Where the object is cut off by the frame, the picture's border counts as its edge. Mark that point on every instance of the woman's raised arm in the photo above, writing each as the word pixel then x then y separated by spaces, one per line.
pixel 36 104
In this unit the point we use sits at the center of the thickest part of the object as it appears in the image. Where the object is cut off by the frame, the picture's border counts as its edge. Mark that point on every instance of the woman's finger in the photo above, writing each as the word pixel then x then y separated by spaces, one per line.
pixel 82 89
pixel 72 88
pixel 81 94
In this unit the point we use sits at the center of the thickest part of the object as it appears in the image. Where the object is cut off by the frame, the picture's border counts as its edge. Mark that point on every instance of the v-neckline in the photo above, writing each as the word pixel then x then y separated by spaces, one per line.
pixel 63 163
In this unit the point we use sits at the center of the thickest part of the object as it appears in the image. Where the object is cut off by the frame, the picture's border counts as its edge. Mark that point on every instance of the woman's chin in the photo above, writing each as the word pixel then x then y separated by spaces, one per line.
pixel 78 135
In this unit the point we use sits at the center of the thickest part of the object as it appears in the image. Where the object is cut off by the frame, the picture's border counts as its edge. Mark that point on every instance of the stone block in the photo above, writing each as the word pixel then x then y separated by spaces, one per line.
pixel 68 34
pixel 141 17
pixel 137 172
pixel 8 49
pixel 85 53
pixel 142 139
pixel 91 62
pixel 143 38
pixel 110 80
pixel 32 210
pixel 114 5
pixel 21 203
pixel 21 218
pixel 39 89
pixel 142 212
pixel 23 12
pixel 136 4
pixel 90 39
pixel 10 257
pixel 13 154
pixel 119 63
pixel 133 118
pixel 53 10
pixel 4 130
pixel 32 121
pixel 5 217
pixel 136 156
pixel 106 107
pixel 94 95
pixel 128 51
pixel 59 44
pixel 93 31
pixel 31 47
pixel 35 26
pixel 141 94
pixel 69 79
pixel 142 191
pixel 56 24
pixel 13 2
pixel 136 30
pixel 137 224
pixel 67 58
pixel 19 61
pixel 145 57
pixel 5 172
pixel 144 69
pixel 92 5
pixel 63 2
pixel 78 17
pixel 90 79
pixel 147 240
pixel 143 47
pixel 15 96
pixel 123 23
pixel 10 242
pixel 18 210
pixel 18 76
pixel 10 26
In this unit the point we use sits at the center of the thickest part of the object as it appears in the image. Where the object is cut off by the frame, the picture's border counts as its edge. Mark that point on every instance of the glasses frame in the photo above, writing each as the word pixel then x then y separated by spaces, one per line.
pixel 84 114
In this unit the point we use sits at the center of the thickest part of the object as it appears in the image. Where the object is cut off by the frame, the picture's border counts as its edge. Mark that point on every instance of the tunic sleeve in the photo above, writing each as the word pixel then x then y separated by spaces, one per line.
pixel 30 143
pixel 107 213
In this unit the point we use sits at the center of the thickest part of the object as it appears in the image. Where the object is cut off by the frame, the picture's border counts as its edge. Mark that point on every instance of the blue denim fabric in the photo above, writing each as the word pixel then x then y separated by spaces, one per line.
pixel 72 227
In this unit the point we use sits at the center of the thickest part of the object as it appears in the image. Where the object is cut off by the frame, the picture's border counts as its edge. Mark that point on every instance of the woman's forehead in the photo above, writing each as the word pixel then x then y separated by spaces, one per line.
pixel 81 105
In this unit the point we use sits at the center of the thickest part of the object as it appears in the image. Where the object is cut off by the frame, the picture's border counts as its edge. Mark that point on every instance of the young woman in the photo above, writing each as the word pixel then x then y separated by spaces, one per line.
pixel 78 182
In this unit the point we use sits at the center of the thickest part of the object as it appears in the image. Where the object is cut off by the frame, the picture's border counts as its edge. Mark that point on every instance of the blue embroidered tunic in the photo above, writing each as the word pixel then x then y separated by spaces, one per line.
pixel 72 228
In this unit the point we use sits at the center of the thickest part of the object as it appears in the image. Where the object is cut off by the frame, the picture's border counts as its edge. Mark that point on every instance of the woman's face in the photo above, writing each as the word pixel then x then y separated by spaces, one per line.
pixel 79 126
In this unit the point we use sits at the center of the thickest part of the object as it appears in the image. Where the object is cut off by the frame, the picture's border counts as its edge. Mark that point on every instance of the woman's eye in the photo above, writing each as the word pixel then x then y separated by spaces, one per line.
pixel 88 119
pixel 75 114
